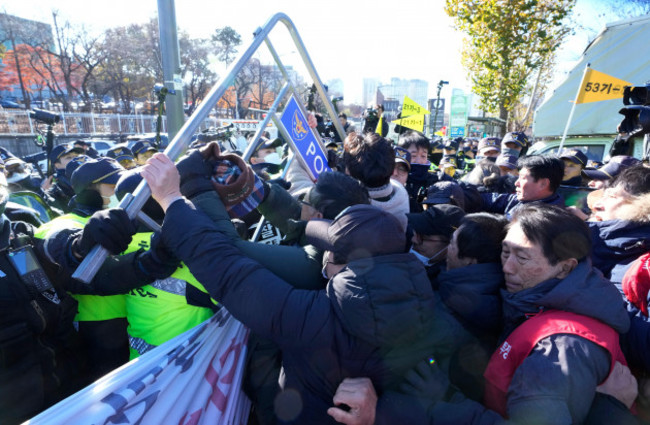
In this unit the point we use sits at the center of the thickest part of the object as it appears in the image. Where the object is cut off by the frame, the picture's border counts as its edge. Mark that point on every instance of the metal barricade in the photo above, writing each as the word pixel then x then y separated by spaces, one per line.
pixel 88 268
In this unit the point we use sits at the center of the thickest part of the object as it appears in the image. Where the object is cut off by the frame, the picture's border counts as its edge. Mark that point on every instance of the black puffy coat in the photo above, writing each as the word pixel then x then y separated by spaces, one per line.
pixel 375 317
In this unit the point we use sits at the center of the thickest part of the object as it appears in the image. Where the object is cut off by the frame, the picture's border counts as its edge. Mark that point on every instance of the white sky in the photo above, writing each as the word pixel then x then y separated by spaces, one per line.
pixel 350 40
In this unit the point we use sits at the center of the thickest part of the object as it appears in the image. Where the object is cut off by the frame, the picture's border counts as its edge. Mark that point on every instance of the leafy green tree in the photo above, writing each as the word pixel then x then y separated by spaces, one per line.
pixel 507 41
pixel 227 40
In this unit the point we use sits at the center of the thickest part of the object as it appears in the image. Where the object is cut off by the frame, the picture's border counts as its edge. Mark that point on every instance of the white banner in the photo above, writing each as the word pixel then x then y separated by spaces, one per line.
pixel 192 379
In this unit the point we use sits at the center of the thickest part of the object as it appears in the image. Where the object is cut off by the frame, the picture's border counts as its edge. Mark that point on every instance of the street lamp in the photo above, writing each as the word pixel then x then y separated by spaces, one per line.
pixel 435 119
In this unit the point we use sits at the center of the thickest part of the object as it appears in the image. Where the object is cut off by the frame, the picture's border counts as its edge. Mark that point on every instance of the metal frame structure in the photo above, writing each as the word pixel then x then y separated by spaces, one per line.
pixel 93 261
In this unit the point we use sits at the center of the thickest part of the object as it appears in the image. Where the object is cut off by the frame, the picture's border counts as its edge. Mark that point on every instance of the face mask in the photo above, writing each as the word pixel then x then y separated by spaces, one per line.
pixel 273 158
pixel 112 203
pixel 510 151
pixel 425 260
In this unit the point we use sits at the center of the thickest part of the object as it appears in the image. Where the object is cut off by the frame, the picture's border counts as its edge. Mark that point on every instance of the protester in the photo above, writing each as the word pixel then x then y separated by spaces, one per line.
pixel 371 160
pixel 560 340
pixel 306 323
pixel 620 222
pixel 539 178
pixel 470 290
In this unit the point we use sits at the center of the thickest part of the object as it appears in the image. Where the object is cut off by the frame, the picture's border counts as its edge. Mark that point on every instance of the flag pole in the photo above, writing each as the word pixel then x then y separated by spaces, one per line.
pixel 575 102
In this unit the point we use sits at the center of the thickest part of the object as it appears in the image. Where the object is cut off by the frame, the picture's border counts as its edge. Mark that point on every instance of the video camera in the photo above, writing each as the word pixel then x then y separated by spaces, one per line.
pixel 46 117
pixel 212 133
pixel 636 121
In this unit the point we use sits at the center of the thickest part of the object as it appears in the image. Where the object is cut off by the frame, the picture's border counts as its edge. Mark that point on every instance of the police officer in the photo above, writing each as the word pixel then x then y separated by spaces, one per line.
pixel 42 359
pixel 101 315
pixel 59 194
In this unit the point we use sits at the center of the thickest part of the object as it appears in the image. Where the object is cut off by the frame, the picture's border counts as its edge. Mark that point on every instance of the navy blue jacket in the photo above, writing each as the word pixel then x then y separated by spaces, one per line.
pixel 374 319
pixel 504 203
pixel 556 383
pixel 616 244
pixel 472 295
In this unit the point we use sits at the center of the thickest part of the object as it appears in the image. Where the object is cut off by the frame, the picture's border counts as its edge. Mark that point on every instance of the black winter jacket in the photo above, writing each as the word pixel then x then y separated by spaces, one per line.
pixel 374 319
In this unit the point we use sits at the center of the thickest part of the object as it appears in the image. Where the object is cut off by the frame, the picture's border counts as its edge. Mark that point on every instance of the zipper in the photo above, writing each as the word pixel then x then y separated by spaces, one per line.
pixel 50 350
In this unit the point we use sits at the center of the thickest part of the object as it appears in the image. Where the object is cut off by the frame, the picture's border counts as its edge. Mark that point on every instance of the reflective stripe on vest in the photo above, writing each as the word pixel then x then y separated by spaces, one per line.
pixel 519 344
pixel 93 308
pixel 159 311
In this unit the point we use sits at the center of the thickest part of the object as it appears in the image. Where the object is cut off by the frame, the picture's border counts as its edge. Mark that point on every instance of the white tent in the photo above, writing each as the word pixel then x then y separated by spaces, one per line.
pixel 620 50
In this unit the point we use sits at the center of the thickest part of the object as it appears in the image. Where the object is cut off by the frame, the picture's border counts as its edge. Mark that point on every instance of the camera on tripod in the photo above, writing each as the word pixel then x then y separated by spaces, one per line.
pixel 636 121
pixel 46 117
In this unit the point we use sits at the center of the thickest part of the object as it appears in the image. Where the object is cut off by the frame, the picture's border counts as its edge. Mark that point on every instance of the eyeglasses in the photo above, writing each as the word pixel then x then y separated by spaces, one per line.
pixel 303 202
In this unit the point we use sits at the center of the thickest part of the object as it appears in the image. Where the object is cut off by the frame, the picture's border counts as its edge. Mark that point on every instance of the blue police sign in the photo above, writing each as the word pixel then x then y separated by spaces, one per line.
pixel 305 142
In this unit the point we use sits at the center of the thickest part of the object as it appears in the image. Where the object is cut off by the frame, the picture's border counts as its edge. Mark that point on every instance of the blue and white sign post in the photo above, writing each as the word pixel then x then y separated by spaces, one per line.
pixel 304 142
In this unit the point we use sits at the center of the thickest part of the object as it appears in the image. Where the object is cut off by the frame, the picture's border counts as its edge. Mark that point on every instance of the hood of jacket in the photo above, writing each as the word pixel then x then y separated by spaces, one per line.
pixel 473 293
pixel 618 242
pixel 385 301
pixel 584 291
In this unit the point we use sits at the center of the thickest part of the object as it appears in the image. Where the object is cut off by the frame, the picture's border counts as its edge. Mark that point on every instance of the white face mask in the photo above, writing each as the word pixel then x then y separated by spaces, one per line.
pixel 113 202
pixel 273 158
pixel 426 260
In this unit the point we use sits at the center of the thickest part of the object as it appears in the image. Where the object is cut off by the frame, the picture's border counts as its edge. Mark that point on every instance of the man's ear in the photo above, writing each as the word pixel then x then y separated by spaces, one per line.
pixel 566 267
pixel 545 182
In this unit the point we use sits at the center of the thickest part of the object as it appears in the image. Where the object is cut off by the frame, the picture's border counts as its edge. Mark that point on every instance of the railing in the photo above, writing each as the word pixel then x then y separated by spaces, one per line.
pixel 19 123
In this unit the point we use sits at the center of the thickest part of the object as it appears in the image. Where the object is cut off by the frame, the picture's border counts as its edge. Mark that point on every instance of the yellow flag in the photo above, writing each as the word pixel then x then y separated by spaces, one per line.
pixel 409 107
pixel 597 86
pixel 414 122
pixel 379 125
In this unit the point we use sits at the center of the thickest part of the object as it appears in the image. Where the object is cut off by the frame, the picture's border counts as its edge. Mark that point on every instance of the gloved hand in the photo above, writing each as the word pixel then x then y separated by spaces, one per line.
pixel 426 382
pixel 159 261
pixel 111 228
pixel 196 170
pixel 286 185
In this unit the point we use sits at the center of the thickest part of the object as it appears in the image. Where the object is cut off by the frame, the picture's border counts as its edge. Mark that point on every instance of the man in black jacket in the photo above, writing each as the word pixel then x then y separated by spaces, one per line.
pixel 375 316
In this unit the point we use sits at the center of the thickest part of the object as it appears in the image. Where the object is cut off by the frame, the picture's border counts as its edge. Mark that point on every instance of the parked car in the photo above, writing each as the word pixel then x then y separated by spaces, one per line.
pixel 101 145
pixel 10 104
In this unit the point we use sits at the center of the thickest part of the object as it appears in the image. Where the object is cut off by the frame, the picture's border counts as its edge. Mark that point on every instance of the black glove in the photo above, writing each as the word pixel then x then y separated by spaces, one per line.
pixel 196 170
pixel 159 261
pixel 286 185
pixel 426 382
pixel 111 229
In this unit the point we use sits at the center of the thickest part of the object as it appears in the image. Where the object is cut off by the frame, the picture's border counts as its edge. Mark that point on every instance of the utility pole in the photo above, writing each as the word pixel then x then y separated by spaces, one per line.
pixel 435 119
pixel 171 61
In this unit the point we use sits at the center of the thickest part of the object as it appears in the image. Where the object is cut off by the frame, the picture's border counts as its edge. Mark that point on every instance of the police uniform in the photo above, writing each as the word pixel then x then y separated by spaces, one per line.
pixel 41 357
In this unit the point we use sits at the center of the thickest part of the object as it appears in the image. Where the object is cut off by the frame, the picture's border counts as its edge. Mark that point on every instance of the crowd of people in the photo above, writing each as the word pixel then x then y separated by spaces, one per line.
pixel 420 281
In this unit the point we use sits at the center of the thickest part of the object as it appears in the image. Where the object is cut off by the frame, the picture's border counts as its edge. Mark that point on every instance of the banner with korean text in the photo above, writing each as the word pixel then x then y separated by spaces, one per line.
pixel 192 379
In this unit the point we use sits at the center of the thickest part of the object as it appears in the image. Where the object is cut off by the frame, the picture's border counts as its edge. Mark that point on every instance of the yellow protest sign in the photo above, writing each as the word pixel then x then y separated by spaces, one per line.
pixel 410 107
pixel 380 124
pixel 597 86
pixel 414 122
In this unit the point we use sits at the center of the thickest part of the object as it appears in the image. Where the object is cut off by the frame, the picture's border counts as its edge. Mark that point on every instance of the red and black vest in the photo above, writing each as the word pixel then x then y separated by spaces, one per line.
pixel 507 358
